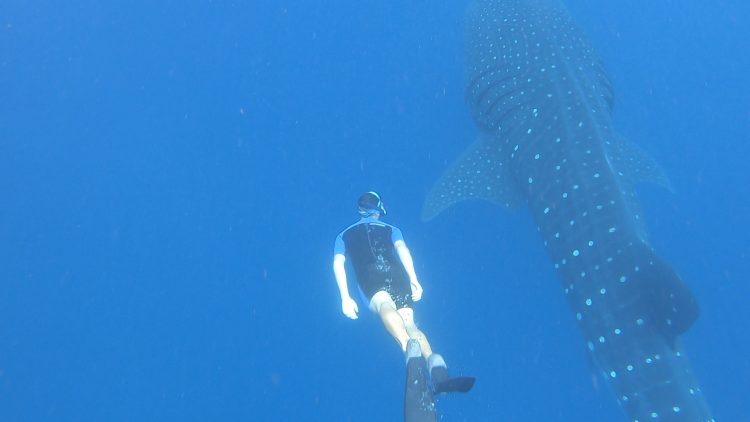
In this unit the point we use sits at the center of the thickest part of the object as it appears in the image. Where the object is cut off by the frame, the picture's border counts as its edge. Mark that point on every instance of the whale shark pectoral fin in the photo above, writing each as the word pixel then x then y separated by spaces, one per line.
pixel 635 165
pixel 481 172
pixel 632 165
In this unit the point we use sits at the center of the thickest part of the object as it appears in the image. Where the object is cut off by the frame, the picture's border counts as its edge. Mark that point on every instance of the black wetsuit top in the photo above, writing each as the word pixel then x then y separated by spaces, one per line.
pixel 369 244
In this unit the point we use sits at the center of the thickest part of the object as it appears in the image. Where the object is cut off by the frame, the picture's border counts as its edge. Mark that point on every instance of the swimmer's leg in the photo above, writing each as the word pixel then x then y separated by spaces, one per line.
pixel 407 315
pixel 383 305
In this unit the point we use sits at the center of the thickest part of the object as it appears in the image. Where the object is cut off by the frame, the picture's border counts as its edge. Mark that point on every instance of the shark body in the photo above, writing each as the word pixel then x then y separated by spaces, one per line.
pixel 542 103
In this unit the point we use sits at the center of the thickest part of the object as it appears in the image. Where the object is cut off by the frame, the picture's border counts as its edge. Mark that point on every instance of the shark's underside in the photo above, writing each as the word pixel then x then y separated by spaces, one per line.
pixel 542 103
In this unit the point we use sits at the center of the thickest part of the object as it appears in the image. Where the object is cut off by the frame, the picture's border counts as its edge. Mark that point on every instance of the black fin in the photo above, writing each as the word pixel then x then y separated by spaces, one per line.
pixel 419 405
pixel 454 385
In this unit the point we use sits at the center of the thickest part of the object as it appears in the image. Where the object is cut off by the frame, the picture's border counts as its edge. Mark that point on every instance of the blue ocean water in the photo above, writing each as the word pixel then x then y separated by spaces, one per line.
pixel 174 175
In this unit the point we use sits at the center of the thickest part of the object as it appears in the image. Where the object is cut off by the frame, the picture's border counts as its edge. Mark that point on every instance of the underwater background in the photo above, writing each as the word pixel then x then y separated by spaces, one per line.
pixel 173 175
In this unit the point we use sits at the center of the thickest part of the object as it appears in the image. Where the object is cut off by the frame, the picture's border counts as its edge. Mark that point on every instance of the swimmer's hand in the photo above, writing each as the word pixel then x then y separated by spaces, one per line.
pixel 416 290
pixel 349 307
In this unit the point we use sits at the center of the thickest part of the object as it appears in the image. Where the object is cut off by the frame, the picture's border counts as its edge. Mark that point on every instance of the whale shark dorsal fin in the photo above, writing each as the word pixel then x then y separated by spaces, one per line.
pixel 481 172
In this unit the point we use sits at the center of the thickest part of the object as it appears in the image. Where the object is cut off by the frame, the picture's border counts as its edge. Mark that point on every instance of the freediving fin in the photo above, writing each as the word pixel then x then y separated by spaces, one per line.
pixel 442 382
pixel 454 385
pixel 419 405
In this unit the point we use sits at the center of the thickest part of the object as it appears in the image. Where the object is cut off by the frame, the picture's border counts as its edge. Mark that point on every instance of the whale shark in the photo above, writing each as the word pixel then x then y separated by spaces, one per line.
pixel 542 105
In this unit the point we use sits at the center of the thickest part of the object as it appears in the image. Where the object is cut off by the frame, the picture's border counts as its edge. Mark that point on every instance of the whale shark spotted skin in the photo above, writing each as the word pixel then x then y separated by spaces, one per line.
pixel 542 103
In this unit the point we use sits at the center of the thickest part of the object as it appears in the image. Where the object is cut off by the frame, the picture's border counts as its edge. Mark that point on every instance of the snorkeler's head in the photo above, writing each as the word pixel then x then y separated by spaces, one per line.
pixel 369 204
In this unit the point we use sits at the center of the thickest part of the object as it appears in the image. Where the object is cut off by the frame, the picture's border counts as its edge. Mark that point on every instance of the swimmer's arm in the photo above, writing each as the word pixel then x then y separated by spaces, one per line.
pixel 405 255
pixel 348 305
pixel 340 272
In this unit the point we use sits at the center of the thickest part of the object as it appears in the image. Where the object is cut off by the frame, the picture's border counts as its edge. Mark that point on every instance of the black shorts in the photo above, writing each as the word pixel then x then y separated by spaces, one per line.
pixel 391 279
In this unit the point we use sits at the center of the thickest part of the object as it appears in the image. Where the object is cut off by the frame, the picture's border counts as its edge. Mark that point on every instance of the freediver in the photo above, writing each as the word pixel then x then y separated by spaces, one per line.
pixel 385 274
